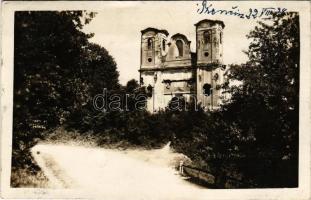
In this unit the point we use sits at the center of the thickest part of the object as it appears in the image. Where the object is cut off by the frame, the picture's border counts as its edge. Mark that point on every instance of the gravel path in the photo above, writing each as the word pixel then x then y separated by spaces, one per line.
pixel 113 174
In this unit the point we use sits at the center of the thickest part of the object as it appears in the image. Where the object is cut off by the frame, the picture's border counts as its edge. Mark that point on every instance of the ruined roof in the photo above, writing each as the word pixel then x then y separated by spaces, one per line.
pixel 211 22
pixel 155 30
pixel 182 36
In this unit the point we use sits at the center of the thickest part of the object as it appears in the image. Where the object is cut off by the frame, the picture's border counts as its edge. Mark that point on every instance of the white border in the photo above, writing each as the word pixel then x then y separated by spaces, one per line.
pixel 7 14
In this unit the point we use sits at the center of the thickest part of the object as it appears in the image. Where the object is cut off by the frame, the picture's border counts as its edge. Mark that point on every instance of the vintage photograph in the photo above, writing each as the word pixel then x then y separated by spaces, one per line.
pixel 149 100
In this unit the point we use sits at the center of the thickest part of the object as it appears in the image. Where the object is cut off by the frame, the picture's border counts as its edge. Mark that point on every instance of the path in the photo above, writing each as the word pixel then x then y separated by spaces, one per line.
pixel 139 174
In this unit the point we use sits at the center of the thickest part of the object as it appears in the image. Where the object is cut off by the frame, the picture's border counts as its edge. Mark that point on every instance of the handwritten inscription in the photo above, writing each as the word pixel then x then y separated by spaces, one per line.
pixel 252 13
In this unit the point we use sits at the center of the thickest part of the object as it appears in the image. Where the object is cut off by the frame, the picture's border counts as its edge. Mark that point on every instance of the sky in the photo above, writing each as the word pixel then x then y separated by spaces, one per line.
pixel 117 27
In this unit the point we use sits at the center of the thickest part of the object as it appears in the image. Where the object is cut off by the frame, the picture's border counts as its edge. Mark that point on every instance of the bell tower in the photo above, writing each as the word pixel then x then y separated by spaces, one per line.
pixel 153 47
pixel 209 47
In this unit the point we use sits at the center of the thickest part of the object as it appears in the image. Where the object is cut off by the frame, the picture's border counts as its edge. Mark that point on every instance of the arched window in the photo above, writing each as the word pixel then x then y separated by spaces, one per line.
pixel 207 37
pixel 163 45
pixel 180 47
pixel 220 38
pixel 149 43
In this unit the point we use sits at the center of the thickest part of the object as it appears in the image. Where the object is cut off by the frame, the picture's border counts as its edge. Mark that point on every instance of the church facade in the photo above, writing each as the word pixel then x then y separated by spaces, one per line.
pixel 169 69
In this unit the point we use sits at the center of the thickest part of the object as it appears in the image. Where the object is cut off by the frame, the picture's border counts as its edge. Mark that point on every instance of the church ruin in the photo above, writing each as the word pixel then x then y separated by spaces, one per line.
pixel 169 69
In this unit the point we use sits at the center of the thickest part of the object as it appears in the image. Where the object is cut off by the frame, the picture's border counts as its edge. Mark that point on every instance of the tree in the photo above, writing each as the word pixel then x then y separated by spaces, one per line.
pixel 131 86
pixel 47 78
pixel 265 107
pixel 100 69
pixel 57 71
pixel 98 74
pixel 47 67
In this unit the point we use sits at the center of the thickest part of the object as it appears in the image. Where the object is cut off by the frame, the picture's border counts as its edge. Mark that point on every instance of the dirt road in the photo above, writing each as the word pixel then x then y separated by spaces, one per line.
pixel 136 174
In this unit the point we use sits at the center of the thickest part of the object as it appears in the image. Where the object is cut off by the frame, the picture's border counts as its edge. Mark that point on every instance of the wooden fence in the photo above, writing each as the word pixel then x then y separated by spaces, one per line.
pixel 207 179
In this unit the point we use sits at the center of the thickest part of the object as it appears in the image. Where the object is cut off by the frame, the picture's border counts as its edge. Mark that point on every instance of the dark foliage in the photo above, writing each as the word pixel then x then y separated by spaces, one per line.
pixel 265 108
pixel 56 73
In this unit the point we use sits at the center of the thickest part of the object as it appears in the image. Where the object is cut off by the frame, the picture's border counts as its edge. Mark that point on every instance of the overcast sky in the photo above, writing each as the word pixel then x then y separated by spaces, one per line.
pixel 117 27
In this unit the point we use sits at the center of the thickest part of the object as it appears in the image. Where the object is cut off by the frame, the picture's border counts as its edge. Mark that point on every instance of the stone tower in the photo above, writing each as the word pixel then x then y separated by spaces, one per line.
pixel 209 73
pixel 153 47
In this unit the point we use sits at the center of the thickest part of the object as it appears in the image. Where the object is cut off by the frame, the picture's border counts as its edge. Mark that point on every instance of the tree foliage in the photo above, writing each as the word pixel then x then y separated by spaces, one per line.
pixel 265 107
pixel 56 72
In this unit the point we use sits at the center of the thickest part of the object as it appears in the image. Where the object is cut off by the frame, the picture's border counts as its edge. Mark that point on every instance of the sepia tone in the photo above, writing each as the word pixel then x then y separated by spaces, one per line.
pixel 201 102
pixel 170 69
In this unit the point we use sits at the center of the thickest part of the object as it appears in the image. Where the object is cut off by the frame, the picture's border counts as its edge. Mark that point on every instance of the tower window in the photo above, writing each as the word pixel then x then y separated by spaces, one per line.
pixel 180 47
pixel 163 45
pixel 207 37
pixel 149 43
pixel 220 40
pixel 149 59
pixel 206 54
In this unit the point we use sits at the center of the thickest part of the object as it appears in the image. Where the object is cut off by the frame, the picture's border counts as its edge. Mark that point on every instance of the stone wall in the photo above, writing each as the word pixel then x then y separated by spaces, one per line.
pixel 168 83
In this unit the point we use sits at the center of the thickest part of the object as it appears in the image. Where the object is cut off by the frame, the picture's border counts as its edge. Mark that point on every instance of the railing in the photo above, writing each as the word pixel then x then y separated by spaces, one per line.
pixel 206 178
pixel 197 175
